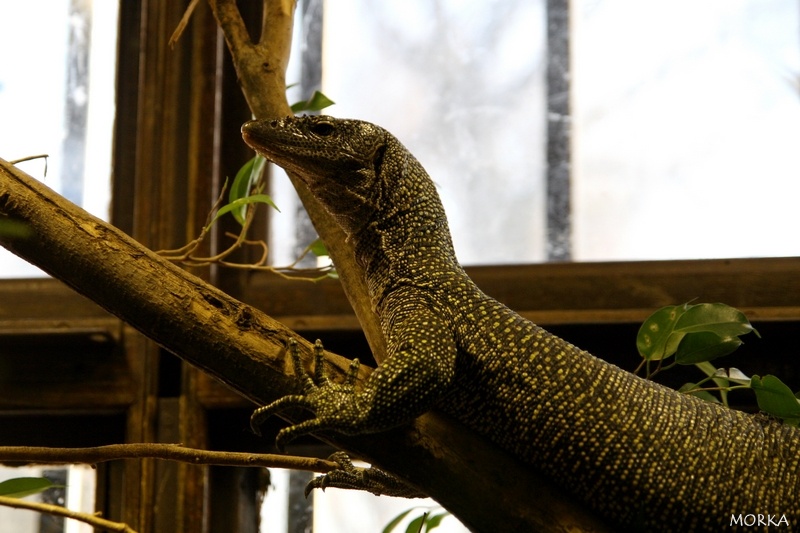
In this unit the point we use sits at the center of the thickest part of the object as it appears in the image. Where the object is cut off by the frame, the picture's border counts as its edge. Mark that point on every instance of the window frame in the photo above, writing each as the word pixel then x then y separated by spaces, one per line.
pixel 176 137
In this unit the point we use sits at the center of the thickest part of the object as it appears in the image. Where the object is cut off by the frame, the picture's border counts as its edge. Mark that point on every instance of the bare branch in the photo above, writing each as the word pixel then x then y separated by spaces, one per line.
pixel 182 24
pixel 93 520
pixel 169 452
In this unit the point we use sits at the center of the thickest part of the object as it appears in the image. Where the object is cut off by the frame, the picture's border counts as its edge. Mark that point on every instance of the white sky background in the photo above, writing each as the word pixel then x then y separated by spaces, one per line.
pixel 687 129
pixel 686 121
pixel 461 85
pixel 32 96
pixel 686 117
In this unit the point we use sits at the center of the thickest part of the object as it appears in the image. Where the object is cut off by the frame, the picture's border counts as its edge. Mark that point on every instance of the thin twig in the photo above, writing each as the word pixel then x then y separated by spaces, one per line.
pixel 172 452
pixel 182 24
pixel 185 254
pixel 31 158
pixel 93 520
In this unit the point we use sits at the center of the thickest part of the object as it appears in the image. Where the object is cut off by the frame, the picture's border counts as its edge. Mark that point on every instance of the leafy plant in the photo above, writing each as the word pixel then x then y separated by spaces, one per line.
pixel 245 190
pixel 426 522
pixel 697 334
pixel 244 194
pixel 317 102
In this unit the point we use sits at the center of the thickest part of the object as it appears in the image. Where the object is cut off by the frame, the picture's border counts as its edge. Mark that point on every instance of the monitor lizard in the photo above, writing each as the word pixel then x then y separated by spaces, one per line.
pixel 639 453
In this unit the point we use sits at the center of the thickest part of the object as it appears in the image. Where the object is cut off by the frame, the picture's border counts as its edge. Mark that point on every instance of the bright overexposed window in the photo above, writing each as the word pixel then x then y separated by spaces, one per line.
pixel 75 489
pixel 333 510
pixel 462 85
pixel 685 119
pixel 682 130
pixel 57 76
pixel 687 128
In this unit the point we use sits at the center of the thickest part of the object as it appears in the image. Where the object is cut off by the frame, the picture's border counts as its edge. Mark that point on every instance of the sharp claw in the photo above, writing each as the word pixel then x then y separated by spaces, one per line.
pixel 256 419
pixel 281 441
pixel 352 372
pixel 320 374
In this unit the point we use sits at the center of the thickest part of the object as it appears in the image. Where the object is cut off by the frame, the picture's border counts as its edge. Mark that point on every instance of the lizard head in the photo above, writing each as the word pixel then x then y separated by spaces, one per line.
pixel 340 160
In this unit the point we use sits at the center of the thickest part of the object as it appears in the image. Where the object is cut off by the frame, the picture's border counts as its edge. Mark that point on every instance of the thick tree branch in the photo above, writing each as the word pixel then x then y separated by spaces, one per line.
pixel 245 349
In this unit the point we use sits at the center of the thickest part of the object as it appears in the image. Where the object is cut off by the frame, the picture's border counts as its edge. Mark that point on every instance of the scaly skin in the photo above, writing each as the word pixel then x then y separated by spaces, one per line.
pixel 639 453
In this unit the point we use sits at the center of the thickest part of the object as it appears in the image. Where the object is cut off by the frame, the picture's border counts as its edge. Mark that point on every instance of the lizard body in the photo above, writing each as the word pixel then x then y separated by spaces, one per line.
pixel 637 452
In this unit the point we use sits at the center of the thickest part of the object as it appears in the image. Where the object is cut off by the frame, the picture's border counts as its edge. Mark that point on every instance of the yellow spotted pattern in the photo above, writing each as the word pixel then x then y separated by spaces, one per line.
pixel 642 455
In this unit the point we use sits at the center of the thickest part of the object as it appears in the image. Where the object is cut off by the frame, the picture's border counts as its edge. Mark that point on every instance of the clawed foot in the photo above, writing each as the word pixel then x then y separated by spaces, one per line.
pixel 370 479
pixel 334 405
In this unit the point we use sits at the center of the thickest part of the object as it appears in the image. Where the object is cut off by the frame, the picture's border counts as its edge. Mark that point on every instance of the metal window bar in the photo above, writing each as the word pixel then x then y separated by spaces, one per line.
pixel 301 509
pixel 76 105
pixel 310 81
pixel 559 227
pixel 54 496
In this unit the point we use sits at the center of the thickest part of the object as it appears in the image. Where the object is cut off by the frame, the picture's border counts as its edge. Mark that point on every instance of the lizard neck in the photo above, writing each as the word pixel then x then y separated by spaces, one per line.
pixel 409 245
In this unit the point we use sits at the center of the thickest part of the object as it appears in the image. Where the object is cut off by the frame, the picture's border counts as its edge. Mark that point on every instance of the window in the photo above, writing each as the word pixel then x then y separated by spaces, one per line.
pixel 57 98
pixel 676 123
pixel 461 86
pixel 75 491
pixel 72 375
pixel 687 119
pixel 682 125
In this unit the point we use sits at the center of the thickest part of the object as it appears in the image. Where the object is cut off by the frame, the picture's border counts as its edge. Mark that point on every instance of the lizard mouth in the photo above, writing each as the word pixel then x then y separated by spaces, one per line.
pixel 253 135
pixel 260 136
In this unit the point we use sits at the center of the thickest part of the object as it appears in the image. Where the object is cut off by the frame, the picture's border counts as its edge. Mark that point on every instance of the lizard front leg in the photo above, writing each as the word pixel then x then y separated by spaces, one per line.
pixel 420 367
pixel 320 395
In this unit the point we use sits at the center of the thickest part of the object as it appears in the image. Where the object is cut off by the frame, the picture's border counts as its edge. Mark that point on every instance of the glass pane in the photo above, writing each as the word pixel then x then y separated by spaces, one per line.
pixel 57 75
pixel 461 84
pixel 76 492
pixel 687 128
pixel 333 510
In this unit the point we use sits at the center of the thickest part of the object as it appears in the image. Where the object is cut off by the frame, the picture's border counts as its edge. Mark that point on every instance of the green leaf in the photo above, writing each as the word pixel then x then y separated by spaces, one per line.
pixel 703 394
pixel 695 333
pixel 704 346
pixel 733 375
pixel 415 526
pixel 318 248
pixel 721 319
pixel 247 178
pixel 435 520
pixel 317 102
pixel 656 339
pixel 24 486
pixel 774 397
pixel 396 520
pixel 256 198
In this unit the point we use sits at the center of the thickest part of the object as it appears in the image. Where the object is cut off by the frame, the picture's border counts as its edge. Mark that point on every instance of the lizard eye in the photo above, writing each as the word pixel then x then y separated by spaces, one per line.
pixel 323 129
